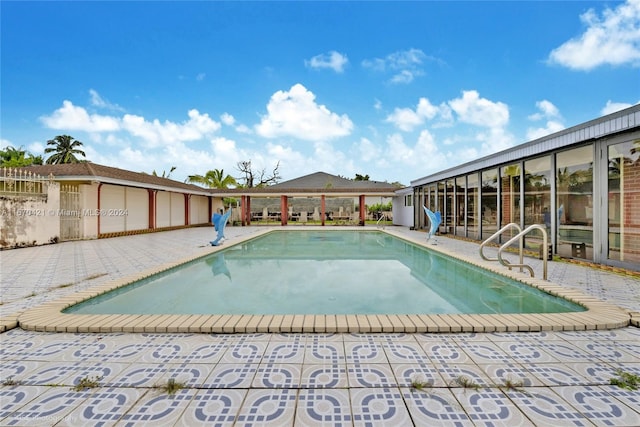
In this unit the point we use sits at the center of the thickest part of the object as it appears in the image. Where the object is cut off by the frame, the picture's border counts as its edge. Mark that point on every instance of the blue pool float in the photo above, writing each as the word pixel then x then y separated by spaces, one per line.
pixel 219 222
pixel 435 219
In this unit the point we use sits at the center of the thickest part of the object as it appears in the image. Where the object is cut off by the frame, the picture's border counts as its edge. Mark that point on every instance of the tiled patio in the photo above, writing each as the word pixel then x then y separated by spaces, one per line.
pixel 544 378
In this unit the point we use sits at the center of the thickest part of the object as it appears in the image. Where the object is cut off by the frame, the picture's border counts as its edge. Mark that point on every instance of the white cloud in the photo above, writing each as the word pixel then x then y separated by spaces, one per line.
pixel 155 132
pixel 200 77
pixel 367 150
pixel 552 126
pixel 407 119
pixel 480 111
pixel 227 119
pixel 70 117
pixel 424 154
pixel 406 65
pixel 333 60
pixel 548 112
pixel 377 104
pixel 295 113
pixel 613 39
pixel 612 107
pixel 4 143
pixel 100 102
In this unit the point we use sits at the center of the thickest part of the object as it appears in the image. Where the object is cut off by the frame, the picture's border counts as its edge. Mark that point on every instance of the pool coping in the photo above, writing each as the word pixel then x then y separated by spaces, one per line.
pixel 48 317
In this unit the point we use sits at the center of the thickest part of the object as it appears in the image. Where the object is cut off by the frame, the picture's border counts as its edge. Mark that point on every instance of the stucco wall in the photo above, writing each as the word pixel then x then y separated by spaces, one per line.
pixel 30 220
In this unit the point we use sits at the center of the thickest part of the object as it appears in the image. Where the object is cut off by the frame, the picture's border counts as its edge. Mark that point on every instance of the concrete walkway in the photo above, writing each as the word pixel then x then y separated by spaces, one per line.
pixel 532 378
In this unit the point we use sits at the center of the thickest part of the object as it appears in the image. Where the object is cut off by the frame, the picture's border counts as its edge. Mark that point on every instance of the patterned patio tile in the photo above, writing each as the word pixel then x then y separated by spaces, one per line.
pixel 483 352
pixel 140 375
pixel 324 376
pixel 370 375
pixel 541 336
pixel 320 351
pixel 268 408
pixel 408 373
pixel 364 352
pixel 104 408
pixel 52 406
pixel 323 408
pixel 594 373
pixel 546 408
pixel 378 407
pixel 524 351
pixel 213 408
pixel 158 408
pixel 277 375
pixel 191 374
pixel 14 398
pixel 631 398
pixel 445 351
pixel 600 406
pixel 490 407
pixel 457 374
pixel 568 352
pixel 244 351
pixel 611 351
pixel 284 352
pixel 554 374
pixel 435 407
pixel 18 369
pixel 405 352
pixel 503 373
pixel 231 375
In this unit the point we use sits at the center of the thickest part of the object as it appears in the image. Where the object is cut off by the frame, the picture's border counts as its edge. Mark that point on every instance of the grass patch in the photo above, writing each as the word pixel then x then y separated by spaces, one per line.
pixel 626 380
pixel 9 381
pixel 172 386
pixel 420 384
pixel 87 383
pixel 465 382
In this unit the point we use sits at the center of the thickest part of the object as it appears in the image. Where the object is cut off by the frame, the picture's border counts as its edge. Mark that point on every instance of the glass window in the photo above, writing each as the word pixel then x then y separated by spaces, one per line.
pixel 623 192
pixel 459 211
pixel 510 198
pixel 473 206
pixel 574 203
pixel 489 208
pixel 537 198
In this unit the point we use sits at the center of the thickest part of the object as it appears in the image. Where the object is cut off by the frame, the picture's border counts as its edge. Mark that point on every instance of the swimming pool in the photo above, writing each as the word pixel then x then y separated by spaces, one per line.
pixel 317 272
pixel 51 316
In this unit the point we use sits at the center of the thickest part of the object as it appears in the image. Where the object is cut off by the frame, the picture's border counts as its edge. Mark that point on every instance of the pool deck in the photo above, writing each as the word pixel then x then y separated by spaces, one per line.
pixel 489 373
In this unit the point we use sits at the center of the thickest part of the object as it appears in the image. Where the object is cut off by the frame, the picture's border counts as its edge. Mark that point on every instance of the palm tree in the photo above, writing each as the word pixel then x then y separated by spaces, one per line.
pixel 18 157
pixel 64 151
pixel 213 179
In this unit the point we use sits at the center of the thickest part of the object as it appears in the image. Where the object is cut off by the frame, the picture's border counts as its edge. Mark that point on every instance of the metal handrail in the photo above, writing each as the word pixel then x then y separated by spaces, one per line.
pixel 382 216
pixel 496 235
pixel 520 235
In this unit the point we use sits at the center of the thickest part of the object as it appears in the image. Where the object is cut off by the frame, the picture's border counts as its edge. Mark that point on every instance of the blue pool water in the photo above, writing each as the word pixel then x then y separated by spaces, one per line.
pixel 325 272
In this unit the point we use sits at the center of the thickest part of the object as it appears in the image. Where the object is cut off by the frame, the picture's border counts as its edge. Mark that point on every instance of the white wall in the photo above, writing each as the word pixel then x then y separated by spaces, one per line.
pixel 136 209
pixel 402 215
pixel 177 209
pixel 89 205
pixel 199 210
pixel 163 209
pixel 30 220
pixel 112 199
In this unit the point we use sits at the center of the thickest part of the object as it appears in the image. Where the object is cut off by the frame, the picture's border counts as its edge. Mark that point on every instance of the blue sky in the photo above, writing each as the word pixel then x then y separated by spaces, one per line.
pixel 393 90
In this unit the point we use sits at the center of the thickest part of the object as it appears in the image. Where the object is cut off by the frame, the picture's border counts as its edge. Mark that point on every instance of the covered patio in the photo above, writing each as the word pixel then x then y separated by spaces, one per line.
pixel 318 197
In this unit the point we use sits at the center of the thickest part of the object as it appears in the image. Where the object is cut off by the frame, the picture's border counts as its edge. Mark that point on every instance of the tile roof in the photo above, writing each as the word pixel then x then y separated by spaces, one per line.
pixel 106 173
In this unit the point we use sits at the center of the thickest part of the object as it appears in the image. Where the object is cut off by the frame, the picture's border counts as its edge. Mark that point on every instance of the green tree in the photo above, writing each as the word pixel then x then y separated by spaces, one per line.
pixel 361 177
pixel 164 173
pixel 64 149
pixel 213 179
pixel 12 157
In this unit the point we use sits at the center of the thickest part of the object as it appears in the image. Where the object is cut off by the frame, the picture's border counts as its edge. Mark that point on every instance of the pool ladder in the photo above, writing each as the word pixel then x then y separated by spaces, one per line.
pixel 520 239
